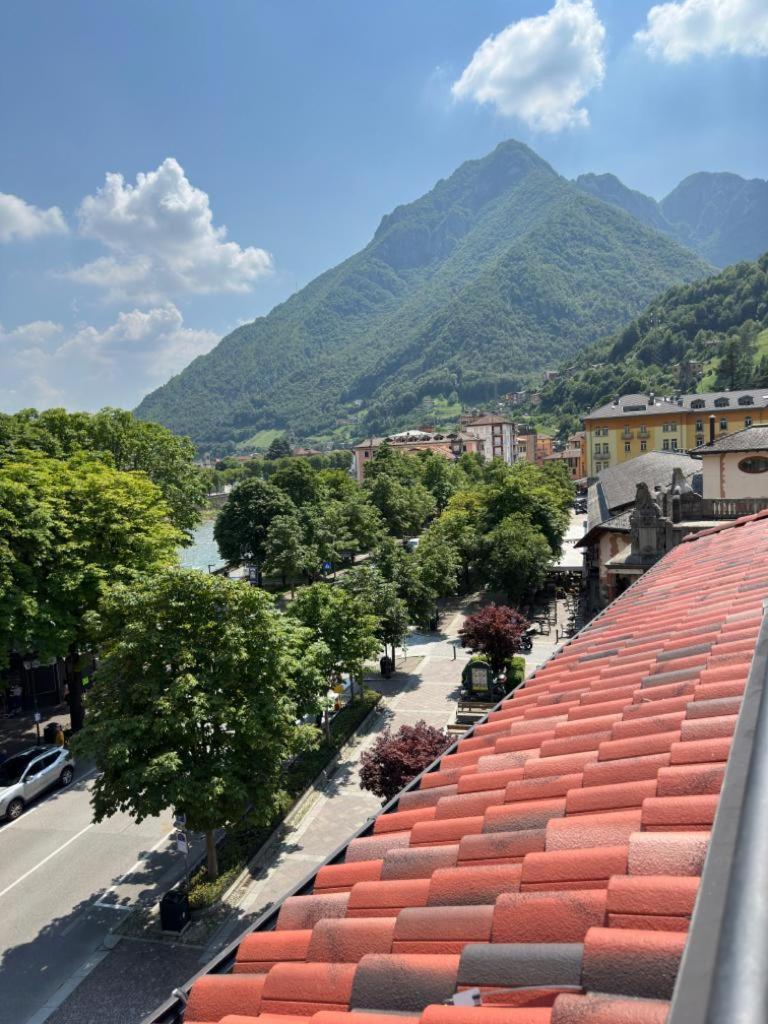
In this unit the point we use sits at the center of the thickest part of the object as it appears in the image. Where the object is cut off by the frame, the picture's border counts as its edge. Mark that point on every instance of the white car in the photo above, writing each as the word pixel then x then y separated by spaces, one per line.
pixel 24 776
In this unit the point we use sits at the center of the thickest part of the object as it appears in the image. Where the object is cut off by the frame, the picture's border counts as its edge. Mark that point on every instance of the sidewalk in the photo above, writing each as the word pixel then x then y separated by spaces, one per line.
pixel 18 731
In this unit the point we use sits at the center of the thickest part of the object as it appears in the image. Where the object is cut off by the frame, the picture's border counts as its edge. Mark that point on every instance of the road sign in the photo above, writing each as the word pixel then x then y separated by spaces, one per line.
pixel 327 566
pixel 38 716
pixel 182 844
pixel 179 820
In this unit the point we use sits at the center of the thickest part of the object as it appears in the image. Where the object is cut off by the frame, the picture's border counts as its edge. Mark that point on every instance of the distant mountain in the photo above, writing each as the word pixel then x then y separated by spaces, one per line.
pixel 707 336
pixel 501 270
pixel 722 217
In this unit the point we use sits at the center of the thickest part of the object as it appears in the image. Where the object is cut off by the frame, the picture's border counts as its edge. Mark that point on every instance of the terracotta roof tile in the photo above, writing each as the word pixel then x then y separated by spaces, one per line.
pixel 547 916
pixel 406 982
pixel 634 962
pixel 348 939
pixel 595 1008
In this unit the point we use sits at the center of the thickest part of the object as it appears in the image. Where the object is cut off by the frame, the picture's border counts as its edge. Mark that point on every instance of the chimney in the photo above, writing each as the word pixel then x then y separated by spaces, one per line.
pixel 651 398
pixel 711 429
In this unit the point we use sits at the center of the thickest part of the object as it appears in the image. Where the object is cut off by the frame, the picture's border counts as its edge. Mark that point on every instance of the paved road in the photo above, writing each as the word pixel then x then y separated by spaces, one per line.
pixel 63 883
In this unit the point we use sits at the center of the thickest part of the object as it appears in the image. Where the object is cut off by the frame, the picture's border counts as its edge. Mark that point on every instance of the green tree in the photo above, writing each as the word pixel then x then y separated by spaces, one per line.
pixel 286 550
pixel 125 442
pixel 69 528
pixel 404 507
pixel 279 448
pixel 344 632
pixel 217 680
pixel 298 480
pixel 241 527
pixel 381 598
pixel 517 558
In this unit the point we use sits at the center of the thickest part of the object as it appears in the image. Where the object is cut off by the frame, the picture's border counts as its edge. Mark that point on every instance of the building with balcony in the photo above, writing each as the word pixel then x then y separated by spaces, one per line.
pixel 634 424
pixel 497 434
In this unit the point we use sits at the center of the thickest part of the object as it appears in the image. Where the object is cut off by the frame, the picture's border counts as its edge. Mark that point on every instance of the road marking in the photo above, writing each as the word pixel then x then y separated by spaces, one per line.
pixel 122 878
pixel 45 860
pixel 42 802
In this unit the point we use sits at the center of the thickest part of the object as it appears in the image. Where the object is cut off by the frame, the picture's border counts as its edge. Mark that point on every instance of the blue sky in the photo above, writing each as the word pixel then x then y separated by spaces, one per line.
pixel 296 124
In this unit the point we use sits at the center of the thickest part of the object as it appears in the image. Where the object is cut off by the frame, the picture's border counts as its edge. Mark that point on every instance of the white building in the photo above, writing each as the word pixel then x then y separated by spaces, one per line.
pixel 497 434
pixel 736 465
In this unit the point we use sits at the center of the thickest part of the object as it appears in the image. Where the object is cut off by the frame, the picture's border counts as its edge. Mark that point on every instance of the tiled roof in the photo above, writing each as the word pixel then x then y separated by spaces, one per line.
pixel 710 401
pixel 750 439
pixel 616 487
pixel 551 862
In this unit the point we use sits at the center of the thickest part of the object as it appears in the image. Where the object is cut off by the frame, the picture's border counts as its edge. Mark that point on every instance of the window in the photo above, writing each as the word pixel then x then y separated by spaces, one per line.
pixel 366 455
pixel 699 425
pixel 673 444
pixel 754 464
pixel 746 400
pixel 627 447
pixel 721 402
pixel 697 403
pixel 597 448
pixel 699 439
pixel 723 424
pixel 747 421
pixel 606 449
pixel 643 446
pixel 665 444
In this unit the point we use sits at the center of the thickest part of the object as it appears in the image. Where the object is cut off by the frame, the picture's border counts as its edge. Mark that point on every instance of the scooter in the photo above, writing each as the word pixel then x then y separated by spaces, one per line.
pixel 526 640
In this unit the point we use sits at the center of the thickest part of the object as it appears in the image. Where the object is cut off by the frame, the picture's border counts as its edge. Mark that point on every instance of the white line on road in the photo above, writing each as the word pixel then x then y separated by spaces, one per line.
pixel 41 803
pixel 45 860
pixel 128 874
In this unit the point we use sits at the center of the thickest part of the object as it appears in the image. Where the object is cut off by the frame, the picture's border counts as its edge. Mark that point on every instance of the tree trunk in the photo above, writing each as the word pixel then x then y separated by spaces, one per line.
pixel 327 724
pixel 212 856
pixel 75 680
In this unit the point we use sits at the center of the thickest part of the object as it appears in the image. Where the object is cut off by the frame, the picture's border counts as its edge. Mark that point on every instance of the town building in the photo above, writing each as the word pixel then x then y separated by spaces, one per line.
pixel 736 465
pixel 574 457
pixel 525 446
pixel 592 852
pixel 413 441
pixel 497 434
pixel 633 424
pixel 544 448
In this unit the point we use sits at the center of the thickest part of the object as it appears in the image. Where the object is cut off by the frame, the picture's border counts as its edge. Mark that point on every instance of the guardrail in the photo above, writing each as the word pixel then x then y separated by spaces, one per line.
pixel 723 977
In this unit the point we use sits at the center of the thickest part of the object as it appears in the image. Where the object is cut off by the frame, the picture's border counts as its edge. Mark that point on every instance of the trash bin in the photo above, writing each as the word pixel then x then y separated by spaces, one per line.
pixel 49 732
pixel 174 911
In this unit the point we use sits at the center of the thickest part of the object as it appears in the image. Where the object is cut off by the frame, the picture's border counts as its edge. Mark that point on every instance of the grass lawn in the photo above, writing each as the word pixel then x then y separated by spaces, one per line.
pixel 242 841
pixel 260 441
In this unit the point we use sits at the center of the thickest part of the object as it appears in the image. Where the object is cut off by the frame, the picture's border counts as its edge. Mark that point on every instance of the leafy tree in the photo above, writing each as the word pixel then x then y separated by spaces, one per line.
pixel 397 758
pixel 125 442
pixel 494 631
pixel 201 683
pixel 404 507
pixel 70 528
pixel 517 558
pixel 286 550
pixel 298 480
pixel 242 525
pixel 381 598
pixel 344 632
pixel 279 448
pixel 543 495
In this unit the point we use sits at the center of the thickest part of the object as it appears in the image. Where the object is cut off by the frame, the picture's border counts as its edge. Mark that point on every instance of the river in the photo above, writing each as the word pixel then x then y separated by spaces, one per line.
pixel 203 552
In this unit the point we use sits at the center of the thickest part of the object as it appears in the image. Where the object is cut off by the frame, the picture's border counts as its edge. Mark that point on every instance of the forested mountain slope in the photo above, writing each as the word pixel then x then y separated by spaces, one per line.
pixel 501 270
pixel 722 217
pixel 705 336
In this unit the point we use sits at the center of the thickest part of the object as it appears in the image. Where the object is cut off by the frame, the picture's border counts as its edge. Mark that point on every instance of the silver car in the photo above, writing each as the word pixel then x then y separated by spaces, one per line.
pixel 29 773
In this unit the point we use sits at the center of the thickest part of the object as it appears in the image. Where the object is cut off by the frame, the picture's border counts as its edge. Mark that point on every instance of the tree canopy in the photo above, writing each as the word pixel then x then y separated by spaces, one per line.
pixel 218 680
pixel 396 758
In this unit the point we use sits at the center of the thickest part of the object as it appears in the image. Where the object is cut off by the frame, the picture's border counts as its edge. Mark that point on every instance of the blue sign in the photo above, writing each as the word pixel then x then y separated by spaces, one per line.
pixel 327 566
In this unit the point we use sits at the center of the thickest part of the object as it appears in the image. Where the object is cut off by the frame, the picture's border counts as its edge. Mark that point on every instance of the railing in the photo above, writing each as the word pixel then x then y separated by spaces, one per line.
pixel 723 977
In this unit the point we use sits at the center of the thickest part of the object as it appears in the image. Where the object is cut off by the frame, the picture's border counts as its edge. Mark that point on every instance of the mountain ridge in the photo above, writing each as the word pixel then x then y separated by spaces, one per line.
pixel 501 269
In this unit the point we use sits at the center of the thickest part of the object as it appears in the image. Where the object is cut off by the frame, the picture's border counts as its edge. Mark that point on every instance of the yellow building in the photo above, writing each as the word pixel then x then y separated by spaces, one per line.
pixel 634 424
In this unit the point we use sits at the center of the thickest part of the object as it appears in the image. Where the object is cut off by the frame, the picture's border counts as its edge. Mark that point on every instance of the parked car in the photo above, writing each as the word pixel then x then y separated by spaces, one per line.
pixel 24 776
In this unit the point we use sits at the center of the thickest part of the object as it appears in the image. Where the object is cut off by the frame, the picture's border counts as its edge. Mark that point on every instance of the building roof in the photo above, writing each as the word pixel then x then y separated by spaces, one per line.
pixel 548 865
pixel 415 437
pixel 712 401
pixel 616 487
pixel 616 524
pixel 489 419
pixel 750 439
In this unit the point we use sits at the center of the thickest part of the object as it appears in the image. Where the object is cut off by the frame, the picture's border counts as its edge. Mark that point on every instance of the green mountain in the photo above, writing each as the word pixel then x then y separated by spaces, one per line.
pixel 706 336
pixel 722 217
pixel 501 270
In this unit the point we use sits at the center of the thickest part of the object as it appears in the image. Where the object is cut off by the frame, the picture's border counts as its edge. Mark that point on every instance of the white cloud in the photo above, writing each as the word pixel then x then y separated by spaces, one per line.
pixel 22 220
pixel 678 31
pixel 540 69
pixel 162 240
pixel 89 367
